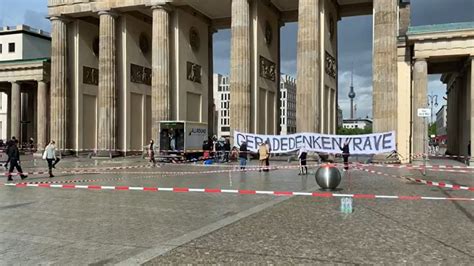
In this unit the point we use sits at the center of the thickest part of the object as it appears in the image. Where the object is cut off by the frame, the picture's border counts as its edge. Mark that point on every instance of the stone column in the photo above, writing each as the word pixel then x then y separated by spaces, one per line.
pixel 449 129
pixel 107 133
pixel 385 65
pixel 15 110
pixel 240 67
pixel 210 91
pixel 160 86
pixel 59 82
pixel 471 112
pixel 24 116
pixel 420 88
pixel 458 87
pixel 308 68
pixel 41 116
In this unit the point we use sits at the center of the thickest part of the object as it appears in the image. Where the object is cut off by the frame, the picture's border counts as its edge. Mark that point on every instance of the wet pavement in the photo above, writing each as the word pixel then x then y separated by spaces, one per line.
pixel 67 226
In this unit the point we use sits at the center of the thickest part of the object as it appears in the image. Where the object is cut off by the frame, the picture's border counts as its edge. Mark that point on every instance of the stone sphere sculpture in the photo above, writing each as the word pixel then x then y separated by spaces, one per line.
pixel 328 177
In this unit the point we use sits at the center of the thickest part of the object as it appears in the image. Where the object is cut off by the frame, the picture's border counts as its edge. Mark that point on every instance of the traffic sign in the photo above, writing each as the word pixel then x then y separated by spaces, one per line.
pixel 424 112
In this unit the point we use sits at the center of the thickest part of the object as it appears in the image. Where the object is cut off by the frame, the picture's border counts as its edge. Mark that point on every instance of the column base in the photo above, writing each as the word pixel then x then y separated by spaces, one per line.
pixel 386 158
pixel 38 154
pixel 470 162
pixel 106 154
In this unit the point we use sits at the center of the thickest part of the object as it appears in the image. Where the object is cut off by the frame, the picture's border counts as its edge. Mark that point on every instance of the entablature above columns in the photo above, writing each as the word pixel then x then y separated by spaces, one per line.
pixel 25 71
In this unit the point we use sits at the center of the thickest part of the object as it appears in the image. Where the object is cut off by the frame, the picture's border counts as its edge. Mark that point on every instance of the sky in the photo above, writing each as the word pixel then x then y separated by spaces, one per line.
pixel 354 47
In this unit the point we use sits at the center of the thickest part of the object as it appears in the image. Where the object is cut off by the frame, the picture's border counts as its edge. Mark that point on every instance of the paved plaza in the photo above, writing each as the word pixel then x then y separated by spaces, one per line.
pixel 40 225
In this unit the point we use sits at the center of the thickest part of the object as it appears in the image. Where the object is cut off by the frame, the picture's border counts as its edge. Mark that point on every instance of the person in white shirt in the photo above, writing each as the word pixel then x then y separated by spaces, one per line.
pixel 302 154
pixel 50 156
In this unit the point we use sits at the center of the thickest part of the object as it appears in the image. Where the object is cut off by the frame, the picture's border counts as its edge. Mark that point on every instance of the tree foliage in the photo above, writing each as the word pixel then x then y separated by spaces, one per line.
pixel 432 129
pixel 353 131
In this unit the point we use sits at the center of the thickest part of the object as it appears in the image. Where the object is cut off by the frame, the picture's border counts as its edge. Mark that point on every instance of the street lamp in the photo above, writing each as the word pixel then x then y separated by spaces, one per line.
pixel 432 101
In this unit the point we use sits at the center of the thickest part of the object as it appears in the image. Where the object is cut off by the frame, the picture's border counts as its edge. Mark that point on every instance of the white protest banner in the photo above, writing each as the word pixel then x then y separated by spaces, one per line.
pixel 358 144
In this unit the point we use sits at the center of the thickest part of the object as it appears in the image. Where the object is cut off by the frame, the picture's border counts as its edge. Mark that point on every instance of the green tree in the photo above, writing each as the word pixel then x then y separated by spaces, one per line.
pixel 353 131
pixel 432 129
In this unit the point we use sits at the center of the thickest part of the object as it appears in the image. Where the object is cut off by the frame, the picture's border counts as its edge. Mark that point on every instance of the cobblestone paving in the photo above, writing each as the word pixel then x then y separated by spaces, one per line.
pixel 53 226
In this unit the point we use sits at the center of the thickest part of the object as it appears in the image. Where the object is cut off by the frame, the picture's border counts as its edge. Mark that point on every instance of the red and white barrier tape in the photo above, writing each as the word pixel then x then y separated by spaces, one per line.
pixel 235 191
pixel 236 168
pixel 420 155
pixel 82 171
pixel 435 168
pixel 418 180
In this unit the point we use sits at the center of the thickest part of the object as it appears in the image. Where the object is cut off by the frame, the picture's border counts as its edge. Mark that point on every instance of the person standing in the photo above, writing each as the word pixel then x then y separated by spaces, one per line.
pixel 302 154
pixel 469 149
pixel 243 155
pixel 151 152
pixel 14 158
pixel 31 144
pixel 267 161
pixel 263 156
pixel 50 156
pixel 345 154
pixel 227 150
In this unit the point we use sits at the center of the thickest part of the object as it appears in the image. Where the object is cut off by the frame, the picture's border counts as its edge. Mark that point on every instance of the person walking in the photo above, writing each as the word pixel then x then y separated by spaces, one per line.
pixel 9 144
pixel 243 155
pixel 263 156
pixel 302 154
pixel 14 158
pixel 345 154
pixel 50 156
pixel 151 152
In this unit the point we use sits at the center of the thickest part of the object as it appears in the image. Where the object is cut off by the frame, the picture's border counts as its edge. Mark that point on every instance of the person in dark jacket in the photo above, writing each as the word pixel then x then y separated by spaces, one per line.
pixel 226 150
pixel 243 155
pixel 7 150
pixel 345 154
pixel 14 157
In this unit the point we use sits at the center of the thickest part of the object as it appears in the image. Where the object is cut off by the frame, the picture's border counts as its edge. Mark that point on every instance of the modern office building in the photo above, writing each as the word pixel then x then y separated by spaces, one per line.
pixel 287 105
pixel 222 103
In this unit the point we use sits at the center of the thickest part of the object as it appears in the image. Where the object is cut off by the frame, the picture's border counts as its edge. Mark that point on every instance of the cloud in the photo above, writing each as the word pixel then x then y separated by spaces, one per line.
pixel 289 67
pixel 30 12
pixel 221 46
pixel 37 20
pixel 425 12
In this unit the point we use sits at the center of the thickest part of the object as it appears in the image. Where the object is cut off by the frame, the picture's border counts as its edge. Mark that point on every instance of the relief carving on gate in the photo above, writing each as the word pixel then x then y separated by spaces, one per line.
pixel 330 66
pixel 90 75
pixel 267 69
pixel 140 74
pixel 193 72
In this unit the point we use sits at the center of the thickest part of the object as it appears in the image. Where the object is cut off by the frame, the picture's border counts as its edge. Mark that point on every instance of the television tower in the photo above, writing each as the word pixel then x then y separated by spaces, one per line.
pixel 352 94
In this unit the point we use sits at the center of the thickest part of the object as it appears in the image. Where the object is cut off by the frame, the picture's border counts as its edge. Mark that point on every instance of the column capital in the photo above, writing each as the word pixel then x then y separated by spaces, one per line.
pixel 212 30
pixel 60 18
pixel 163 6
pixel 108 12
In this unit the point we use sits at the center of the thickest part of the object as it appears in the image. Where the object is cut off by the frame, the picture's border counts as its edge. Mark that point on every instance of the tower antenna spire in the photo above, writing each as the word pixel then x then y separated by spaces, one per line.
pixel 351 91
